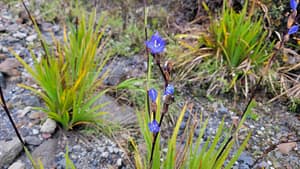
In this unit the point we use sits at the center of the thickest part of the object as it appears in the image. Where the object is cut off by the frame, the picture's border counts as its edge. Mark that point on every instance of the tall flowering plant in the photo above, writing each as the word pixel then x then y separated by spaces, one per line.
pixel 189 155
pixel 156 46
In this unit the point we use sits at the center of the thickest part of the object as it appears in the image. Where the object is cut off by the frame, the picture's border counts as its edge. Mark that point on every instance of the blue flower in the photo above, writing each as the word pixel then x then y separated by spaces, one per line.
pixel 169 90
pixel 293 4
pixel 152 94
pixel 293 29
pixel 156 44
pixel 153 127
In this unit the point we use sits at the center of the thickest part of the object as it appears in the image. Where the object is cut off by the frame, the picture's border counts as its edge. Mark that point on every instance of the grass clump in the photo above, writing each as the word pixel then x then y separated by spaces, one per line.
pixel 70 77
pixel 229 52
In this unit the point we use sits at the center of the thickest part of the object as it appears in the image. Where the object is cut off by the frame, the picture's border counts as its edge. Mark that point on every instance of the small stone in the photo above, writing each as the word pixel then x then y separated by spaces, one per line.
pixel 31 38
pixel 36 115
pixel 2 29
pixel 19 35
pixel 119 162
pixel 9 150
pixel 31 101
pixel 49 126
pixel 115 150
pixel 55 28
pixel 186 115
pixel 269 162
pixel 196 132
pixel 76 148
pixel 223 110
pixel 245 158
pixel 259 132
pixel 33 140
pixel 182 125
pixel 105 154
pixel 17 165
pixel 22 113
pixel 35 132
pixel 9 67
pixel 3 49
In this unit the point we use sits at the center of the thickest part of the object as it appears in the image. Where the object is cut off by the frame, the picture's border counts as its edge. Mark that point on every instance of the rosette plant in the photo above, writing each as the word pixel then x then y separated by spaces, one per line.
pixel 69 77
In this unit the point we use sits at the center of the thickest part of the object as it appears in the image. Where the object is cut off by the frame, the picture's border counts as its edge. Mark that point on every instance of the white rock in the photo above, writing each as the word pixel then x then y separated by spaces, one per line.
pixel 31 38
pixel 22 113
pixel 252 126
pixel 9 150
pixel 119 162
pixel 35 131
pixel 17 165
pixel 19 35
pixel 49 126
pixel 105 154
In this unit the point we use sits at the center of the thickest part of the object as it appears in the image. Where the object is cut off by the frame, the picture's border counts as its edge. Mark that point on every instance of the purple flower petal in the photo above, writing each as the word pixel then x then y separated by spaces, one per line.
pixel 169 90
pixel 293 4
pixel 293 29
pixel 153 127
pixel 156 44
pixel 152 94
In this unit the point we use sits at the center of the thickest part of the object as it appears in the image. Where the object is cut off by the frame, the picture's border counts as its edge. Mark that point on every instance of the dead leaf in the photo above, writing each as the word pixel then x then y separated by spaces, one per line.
pixel 285 148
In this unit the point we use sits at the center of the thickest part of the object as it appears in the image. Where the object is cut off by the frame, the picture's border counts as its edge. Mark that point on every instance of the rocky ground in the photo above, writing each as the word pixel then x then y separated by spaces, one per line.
pixel 273 125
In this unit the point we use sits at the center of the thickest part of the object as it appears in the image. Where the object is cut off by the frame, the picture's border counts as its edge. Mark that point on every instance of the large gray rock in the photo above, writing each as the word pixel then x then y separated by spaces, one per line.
pixel 17 165
pixel 9 150
pixel 46 153
pixel 120 114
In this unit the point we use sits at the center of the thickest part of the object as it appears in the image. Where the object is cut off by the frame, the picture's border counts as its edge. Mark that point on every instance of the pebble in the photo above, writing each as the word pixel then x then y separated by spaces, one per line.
pixel 19 35
pixel 222 109
pixel 269 162
pixel 110 150
pixel 119 162
pixel 33 140
pixel 35 132
pixel 259 132
pixel 23 112
pixel 104 154
pixel 55 28
pixel 49 126
pixel 31 100
pixel 31 38
pixel 36 115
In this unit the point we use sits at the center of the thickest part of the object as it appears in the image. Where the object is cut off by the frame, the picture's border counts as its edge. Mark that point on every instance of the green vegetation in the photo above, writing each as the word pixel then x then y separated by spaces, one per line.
pixel 233 50
pixel 208 154
pixel 69 77
pixel 239 38
pixel 229 54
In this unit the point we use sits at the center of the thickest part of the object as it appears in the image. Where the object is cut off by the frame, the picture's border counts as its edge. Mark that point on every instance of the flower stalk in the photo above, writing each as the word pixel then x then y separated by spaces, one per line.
pixel 156 46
